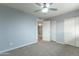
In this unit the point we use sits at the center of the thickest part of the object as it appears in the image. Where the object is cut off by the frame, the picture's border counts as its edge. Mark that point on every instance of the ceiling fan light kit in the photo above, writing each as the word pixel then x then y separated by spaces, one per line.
pixel 44 10
pixel 45 7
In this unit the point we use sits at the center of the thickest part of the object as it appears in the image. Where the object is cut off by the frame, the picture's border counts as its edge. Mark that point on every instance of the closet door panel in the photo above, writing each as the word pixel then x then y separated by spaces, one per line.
pixel 69 31
pixel 77 31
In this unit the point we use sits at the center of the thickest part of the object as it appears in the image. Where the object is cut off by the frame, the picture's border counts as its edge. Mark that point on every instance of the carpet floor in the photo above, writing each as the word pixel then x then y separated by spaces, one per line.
pixel 44 49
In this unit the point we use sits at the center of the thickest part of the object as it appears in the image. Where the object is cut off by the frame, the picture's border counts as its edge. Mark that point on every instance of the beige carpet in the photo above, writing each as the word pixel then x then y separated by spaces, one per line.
pixel 44 49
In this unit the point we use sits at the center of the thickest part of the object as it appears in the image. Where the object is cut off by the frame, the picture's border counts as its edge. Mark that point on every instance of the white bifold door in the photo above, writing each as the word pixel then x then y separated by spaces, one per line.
pixel 69 31
pixel 77 31
pixel 46 30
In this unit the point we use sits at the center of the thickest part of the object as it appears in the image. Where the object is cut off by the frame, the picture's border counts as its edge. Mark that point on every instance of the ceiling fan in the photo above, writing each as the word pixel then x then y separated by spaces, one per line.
pixel 45 7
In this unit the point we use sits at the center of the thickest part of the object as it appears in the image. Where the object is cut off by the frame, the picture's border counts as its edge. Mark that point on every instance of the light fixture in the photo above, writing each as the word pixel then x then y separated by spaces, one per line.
pixel 44 10
pixel 42 6
pixel 40 24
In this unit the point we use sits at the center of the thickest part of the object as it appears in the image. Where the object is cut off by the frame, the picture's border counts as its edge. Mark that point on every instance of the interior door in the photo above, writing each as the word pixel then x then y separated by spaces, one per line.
pixel 46 30
pixel 69 31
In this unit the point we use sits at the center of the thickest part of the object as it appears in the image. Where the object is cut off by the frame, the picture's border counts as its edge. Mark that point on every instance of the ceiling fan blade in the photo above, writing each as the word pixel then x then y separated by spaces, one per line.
pixel 54 9
pixel 51 3
pixel 37 10
pixel 38 4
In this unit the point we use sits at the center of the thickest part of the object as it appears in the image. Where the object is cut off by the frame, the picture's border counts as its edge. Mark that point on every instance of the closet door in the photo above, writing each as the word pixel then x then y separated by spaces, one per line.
pixel 69 31
pixel 77 31
pixel 53 31
pixel 46 30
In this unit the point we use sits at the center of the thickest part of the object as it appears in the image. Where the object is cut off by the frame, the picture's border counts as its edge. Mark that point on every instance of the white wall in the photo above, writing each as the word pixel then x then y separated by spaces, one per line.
pixel 16 28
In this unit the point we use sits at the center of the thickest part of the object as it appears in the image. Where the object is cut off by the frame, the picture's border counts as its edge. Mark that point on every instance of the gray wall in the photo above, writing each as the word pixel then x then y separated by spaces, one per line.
pixel 16 28
pixel 60 24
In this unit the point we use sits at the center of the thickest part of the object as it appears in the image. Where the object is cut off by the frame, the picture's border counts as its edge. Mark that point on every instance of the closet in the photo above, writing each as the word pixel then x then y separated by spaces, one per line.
pixel 71 31
pixel 77 31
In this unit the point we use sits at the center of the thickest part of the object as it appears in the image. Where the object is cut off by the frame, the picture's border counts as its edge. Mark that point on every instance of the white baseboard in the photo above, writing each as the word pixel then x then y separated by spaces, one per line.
pixel 1 52
pixel 60 42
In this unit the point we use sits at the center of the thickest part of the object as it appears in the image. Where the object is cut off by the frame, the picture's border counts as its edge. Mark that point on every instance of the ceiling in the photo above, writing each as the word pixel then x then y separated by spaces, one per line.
pixel 31 7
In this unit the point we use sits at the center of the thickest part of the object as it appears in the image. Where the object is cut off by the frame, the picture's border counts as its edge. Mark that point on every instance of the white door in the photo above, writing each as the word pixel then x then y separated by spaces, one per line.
pixel 53 31
pixel 77 31
pixel 69 31
pixel 46 30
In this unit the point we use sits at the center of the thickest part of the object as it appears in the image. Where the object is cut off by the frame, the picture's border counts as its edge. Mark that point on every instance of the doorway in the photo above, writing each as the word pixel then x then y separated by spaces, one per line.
pixel 43 31
pixel 40 30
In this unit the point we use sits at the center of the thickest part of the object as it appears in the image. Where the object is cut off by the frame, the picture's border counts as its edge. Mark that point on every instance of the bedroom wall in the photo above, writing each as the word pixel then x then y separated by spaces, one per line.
pixel 16 28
